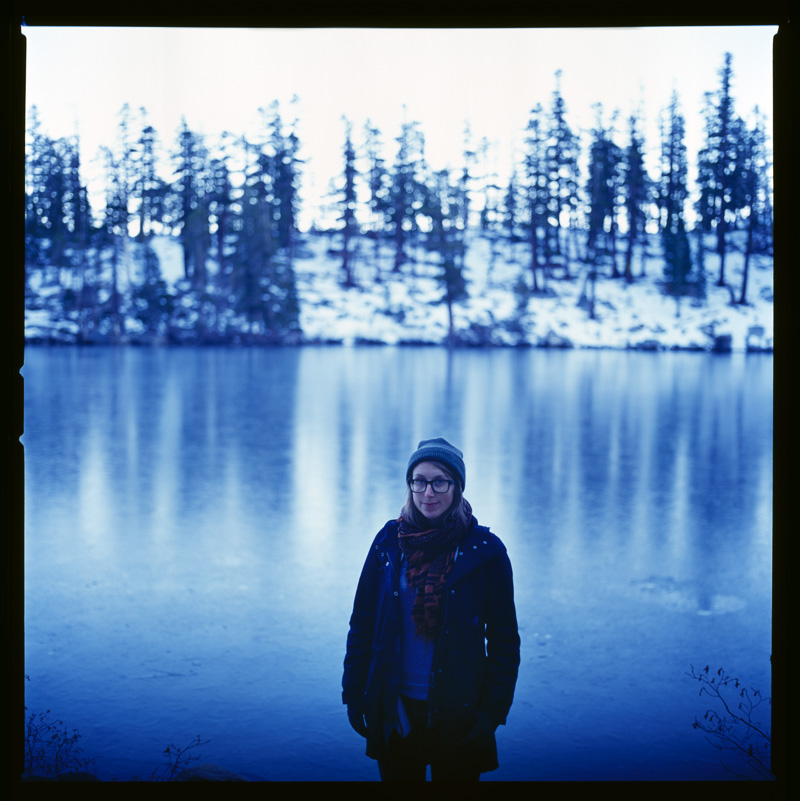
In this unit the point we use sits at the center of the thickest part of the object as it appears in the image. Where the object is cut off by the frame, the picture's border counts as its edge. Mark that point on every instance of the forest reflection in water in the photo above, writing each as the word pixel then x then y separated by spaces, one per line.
pixel 196 520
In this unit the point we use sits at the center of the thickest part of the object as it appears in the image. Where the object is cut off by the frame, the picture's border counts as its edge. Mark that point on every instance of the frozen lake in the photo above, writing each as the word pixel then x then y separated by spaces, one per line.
pixel 196 520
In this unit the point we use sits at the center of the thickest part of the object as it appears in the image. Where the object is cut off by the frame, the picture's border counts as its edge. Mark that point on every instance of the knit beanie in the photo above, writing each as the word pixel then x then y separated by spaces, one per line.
pixel 439 450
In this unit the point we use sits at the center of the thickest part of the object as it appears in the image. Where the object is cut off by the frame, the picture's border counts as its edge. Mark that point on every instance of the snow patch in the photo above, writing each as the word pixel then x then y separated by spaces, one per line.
pixel 392 308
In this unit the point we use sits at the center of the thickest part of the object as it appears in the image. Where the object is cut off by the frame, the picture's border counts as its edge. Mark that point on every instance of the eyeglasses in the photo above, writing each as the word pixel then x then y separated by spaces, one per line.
pixel 440 485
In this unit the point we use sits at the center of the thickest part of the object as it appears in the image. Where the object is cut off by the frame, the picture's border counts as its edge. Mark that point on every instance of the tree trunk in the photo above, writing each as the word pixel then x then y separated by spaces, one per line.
pixel 118 326
pixel 451 332
pixel 721 251
pixel 492 258
pixel 746 269
pixel 348 275
pixel 534 258
pixel 81 301
pixel 399 255
pixel 629 257
pixel 587 295
pixel 572 250
pixel 377 256
pixel 558 232
pixel 187 258
pixel 612 237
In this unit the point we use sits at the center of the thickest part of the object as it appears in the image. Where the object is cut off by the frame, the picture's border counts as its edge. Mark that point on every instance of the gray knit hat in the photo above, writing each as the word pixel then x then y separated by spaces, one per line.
pixel 439 450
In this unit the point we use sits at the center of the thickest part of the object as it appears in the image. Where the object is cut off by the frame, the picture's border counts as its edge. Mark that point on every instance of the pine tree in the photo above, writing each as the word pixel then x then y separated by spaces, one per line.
pixel 219 191
pixel 281 304
pixel 76 207
pixel 510 211
pixel 377 180
pixel 755 191
pixel 125 177
pixel 252 241
pixel 673 194
pixel 603 189
pixel 148 188
pixel 405 191
pixel 191 208
pixel 141 190
pixel 284 147
pixel 348 218
pixel 464 185
pixel 537 189
pixel 58 224
pixel 114 241
pixel 443 205
pixel 51 214
pixel 636 191
pixel 35 199
pixel 37 165
pixel 705 205
pixel 562 174
pixel 115 232
pixel 718 171
pixel 262 272
pixel 64 197
pixel 79 233
pixel 152 302
pixel 489 221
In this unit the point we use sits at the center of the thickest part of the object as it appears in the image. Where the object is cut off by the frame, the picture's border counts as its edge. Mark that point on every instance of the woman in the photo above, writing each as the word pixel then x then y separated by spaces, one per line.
pixel 433 648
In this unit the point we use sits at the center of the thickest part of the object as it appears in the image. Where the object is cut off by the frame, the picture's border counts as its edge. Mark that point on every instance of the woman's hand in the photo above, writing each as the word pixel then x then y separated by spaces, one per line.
pixel 356 717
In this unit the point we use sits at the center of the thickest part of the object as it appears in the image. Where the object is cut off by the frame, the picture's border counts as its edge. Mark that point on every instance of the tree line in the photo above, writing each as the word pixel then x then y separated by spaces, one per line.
pixel 233 202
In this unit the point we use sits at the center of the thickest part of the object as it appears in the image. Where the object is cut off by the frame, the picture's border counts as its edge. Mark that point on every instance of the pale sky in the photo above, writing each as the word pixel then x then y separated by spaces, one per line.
pixel 218 78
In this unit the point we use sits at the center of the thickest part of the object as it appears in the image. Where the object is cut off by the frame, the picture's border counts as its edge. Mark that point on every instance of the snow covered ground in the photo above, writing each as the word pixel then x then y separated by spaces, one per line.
pixel 406 307
pixel 637 315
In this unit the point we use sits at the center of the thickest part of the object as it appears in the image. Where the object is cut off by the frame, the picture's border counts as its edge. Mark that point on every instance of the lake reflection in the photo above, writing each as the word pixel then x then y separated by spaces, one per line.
pixel 196 520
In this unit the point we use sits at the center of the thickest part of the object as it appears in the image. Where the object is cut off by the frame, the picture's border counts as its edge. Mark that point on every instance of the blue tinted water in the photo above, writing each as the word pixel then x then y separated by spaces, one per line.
pixel 196 520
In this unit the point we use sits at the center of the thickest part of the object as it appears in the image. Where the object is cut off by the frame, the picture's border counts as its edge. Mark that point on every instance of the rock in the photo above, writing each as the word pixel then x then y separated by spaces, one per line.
pixel 722 343
pixel 756 341
pixel 648 344
pixel 207 773
pixel 554 340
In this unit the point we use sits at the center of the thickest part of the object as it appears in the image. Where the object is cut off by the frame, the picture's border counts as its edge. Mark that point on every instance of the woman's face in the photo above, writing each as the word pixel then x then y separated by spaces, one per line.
pixel 432 504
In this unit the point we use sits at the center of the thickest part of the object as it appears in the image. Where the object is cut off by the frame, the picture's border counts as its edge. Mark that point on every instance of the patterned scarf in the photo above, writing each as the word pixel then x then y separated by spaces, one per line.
pixel 430 556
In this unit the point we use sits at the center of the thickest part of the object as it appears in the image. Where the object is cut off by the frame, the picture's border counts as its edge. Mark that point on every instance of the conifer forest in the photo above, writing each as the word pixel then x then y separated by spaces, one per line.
pixel 579 206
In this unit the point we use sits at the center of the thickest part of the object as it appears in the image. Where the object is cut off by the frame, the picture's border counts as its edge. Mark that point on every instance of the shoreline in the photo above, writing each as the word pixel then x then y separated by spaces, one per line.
pixel 647 346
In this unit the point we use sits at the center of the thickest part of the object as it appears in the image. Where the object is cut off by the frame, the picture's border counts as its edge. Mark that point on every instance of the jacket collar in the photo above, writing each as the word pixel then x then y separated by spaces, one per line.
pixel 475 549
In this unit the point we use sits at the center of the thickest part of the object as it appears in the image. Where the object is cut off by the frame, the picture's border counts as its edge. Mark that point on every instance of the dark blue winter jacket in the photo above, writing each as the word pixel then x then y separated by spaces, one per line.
pixel 476 656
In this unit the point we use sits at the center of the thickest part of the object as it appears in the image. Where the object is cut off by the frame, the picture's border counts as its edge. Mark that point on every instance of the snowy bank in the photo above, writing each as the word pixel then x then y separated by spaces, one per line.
pixel 405 307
